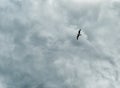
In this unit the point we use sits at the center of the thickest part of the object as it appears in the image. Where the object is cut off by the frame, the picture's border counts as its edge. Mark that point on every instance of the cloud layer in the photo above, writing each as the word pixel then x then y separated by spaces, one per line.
pixel 39 49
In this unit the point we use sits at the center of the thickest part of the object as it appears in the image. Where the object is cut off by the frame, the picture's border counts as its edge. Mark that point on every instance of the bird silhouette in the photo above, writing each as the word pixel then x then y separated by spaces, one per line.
pixel 78 34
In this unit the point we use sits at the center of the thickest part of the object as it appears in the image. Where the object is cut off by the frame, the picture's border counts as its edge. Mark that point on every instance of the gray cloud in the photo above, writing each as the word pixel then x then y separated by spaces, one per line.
pixel 39 49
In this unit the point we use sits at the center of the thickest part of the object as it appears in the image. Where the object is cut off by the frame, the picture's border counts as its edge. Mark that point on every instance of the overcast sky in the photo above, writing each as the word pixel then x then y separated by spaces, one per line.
pixel 38 46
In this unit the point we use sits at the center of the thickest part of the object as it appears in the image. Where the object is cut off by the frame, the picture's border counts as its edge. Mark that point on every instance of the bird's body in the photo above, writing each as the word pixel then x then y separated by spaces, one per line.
pixel 78 34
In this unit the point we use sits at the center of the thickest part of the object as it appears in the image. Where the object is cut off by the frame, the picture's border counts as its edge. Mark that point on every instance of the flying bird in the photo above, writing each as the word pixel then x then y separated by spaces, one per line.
pixel 78 34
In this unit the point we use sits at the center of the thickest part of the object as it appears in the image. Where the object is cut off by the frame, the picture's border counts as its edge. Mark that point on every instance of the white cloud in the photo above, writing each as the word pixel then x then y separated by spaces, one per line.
pixel 39 48
pixel 88 1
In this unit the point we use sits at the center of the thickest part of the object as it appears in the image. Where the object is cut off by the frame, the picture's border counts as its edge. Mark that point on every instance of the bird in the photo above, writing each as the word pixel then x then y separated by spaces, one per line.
pixel 78 34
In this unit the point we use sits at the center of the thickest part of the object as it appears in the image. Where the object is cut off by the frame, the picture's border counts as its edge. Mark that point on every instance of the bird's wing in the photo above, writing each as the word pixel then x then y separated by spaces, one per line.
pixel 80 30
pixel 77 37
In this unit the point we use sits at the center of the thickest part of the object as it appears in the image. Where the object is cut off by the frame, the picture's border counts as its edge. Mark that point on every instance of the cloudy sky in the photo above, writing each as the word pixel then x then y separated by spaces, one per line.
pixel 38 46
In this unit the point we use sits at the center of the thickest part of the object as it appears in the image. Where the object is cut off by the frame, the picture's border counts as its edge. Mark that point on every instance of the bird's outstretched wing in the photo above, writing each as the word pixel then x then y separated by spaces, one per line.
pixel 79 31
pixel 77 37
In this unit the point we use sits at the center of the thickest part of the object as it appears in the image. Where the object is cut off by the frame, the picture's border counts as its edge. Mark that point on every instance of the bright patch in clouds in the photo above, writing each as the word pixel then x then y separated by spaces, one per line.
pixel 87 1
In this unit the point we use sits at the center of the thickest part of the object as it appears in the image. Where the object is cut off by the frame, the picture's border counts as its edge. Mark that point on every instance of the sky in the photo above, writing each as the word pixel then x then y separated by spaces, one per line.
pixel 38 46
